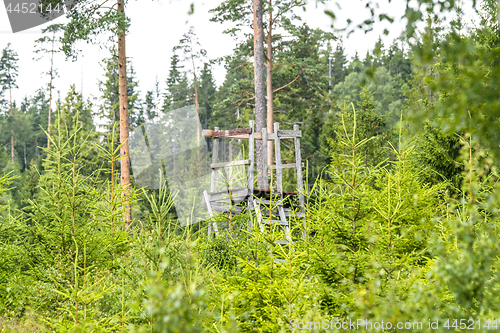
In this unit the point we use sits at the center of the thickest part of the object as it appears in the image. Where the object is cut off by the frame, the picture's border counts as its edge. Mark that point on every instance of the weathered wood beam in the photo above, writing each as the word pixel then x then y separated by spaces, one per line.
pixel 236 195
pixel 286 166
pixel 228 164
pixel 224 134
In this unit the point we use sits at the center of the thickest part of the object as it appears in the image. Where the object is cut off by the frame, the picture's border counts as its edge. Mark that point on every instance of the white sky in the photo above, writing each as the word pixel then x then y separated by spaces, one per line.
pixel 156 27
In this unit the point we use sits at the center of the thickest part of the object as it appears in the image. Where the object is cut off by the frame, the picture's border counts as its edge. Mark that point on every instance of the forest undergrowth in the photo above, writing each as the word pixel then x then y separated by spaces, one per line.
pixel 378 244
pixel 401 223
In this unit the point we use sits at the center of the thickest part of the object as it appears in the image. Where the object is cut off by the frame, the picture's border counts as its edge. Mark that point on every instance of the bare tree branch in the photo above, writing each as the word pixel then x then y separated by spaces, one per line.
pixel 288 84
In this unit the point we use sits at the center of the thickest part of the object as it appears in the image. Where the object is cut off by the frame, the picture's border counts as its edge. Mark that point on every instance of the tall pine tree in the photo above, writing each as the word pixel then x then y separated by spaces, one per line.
pixel 339 61
pixel 178 92
pixel 49 44
pixel 8 75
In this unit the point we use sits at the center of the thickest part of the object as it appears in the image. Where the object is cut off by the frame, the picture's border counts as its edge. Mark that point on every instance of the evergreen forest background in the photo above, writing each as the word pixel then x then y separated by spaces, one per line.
pixel 401 148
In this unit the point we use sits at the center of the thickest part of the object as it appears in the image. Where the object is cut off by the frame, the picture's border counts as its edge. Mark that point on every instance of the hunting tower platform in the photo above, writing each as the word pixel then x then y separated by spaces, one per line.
pixel 267 205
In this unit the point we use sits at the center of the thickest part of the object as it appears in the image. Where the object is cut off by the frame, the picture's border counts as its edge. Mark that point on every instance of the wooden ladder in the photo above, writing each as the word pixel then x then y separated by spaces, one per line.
pixel 226 200
pixel 276 214
pixel 268 212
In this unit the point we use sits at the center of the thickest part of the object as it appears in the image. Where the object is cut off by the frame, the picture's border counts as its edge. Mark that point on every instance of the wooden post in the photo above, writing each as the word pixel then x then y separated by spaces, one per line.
pixel 215 159
pixel 213 182
pixel 259 215
pixel 298 168
pixel 251 152
pixel 265 174
pixel 277 158
pixel 211 213
pixel 279 180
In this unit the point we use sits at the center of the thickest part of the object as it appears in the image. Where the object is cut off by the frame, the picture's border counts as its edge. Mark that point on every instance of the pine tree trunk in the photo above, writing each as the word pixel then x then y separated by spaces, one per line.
pixel 11 127
pixel 260 90
pixel 270 116
pixel 124 123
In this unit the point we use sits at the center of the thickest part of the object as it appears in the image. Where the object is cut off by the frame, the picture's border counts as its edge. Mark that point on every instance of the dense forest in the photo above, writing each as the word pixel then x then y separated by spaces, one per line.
pixel 399 145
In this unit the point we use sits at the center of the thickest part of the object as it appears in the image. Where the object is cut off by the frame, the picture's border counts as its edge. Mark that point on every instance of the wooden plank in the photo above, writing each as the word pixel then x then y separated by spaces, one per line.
pixel 273 203
pixel 229 164
pixel 218 208
pixel 289 212
pixel 257 136
pixel 284 134
pixel 223 134
pixel 236 194
pixel 278 222
pixel 265 212
pixel 238 136
pixel 226 133
pixel 235 199
pixel 287 166
pixel 221 204
pixel 241 190
pixel 206 133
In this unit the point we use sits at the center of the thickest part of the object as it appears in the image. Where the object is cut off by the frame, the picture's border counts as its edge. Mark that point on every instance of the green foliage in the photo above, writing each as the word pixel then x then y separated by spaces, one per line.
pixel 399 230
pixel 207 93
pixel 29 323
pixel 178 92
pixel 338 65
pixel 71 205
pixel 87 20
pixel 370 224
pixel 176 307
pixel 458 92
pixel 257 284
pixel 70 229
pixel 8 71
pixel 152 102
pixel 437 154
pixel 50 45
pixel 109 110
pixel 387 98
pixel 369 125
